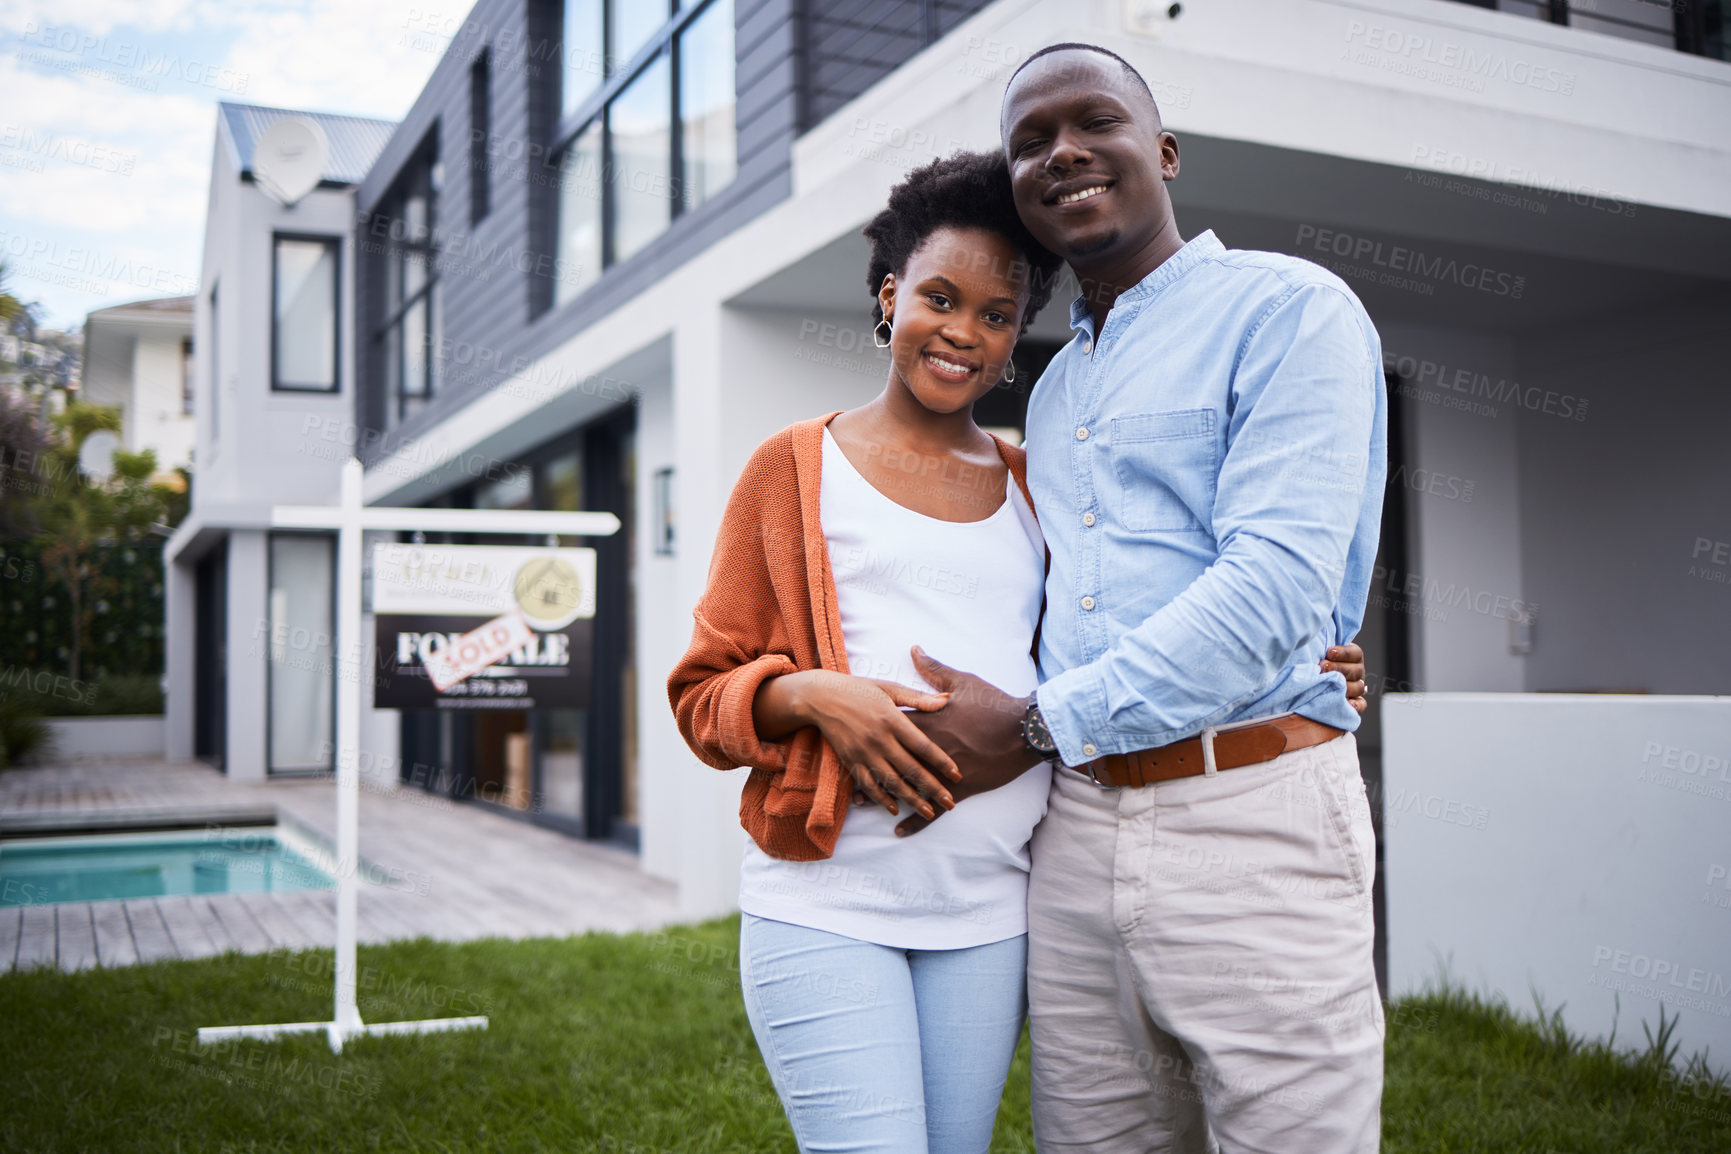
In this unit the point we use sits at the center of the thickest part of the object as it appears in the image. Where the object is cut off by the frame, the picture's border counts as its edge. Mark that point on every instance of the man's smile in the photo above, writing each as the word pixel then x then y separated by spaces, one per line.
pixel 1076 191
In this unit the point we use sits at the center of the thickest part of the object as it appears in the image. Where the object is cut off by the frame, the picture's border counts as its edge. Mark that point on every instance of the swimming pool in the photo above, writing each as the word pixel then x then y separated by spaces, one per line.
pixel 153 865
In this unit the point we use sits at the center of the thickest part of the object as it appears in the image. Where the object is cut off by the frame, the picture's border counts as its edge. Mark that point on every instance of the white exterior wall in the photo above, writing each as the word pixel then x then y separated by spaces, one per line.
pixel 214 337
pixel 271 447
pixel 154 419
pixel 1571 847
pixel 1284 73
pixel 79 737
pixel 132 358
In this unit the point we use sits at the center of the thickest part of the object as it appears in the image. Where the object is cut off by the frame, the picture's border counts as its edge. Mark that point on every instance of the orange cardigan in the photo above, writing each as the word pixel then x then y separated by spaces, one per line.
pixel 769 608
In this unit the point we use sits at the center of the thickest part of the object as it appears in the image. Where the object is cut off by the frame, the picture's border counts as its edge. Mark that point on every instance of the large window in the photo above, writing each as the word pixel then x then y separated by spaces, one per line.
pixel 579 214
pixel 639 145
pixel 706 104
pixel 639 131
pixel 304 312
pixel 404 227
pixel 583 38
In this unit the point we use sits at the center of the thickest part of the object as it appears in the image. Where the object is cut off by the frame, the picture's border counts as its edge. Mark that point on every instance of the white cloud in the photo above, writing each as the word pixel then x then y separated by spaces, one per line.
pixel 104 166
pixel 101 17
pixel 334 56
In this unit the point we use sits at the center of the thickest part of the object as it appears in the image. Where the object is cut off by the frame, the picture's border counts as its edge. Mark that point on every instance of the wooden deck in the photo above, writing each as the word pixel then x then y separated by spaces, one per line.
pixel 430 868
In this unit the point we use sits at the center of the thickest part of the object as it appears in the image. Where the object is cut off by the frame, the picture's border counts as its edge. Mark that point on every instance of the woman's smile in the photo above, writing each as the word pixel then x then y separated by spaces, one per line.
pixel 951 367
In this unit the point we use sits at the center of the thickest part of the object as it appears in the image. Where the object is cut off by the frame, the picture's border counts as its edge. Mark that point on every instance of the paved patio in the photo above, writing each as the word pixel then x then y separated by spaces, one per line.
pixel 431 867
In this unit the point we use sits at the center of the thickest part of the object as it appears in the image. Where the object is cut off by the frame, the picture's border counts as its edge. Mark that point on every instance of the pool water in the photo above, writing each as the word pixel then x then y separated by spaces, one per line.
pixel 97 868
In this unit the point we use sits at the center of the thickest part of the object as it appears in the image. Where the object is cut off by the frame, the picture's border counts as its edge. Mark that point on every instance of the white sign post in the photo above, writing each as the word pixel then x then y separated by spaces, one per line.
pixel 351 519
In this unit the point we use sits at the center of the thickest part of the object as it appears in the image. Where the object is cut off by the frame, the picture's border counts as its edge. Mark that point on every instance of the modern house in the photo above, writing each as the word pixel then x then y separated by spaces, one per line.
pixel 138 358
pixel 614 245
pixel 250 611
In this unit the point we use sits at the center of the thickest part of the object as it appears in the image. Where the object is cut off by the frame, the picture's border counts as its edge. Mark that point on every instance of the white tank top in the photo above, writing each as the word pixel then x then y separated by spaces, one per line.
pixel 969 594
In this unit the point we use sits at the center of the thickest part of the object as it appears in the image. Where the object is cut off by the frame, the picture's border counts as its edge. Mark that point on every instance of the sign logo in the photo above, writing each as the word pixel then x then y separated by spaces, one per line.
pixel 548 592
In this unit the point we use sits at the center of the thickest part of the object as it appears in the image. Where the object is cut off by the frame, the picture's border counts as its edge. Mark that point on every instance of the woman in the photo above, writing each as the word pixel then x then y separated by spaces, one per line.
pixel 883 976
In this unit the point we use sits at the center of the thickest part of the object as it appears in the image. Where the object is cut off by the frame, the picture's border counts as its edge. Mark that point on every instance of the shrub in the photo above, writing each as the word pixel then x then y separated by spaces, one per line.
pixel 22 731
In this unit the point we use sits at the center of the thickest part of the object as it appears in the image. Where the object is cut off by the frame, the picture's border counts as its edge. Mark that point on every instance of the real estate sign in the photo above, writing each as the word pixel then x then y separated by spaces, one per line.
pixel 483 626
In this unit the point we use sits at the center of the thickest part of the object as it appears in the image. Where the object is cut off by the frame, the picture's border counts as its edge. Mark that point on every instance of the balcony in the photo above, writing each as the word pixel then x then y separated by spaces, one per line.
pixel 1693 26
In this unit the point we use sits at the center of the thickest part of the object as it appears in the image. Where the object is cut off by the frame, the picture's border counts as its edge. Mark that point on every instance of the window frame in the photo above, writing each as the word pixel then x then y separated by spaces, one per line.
pixel 335 245
pixel 425 159
pixel 597 108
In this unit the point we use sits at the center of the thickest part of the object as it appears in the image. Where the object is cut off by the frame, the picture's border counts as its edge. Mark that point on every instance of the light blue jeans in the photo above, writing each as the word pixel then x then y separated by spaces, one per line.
pixel 874 1048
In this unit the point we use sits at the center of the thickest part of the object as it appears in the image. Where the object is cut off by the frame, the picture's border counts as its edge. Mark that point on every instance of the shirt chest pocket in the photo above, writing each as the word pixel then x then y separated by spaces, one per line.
pixel 1166 466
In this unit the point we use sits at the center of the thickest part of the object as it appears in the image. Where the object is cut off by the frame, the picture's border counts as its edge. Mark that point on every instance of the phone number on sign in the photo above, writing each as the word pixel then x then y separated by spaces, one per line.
pixel 496 687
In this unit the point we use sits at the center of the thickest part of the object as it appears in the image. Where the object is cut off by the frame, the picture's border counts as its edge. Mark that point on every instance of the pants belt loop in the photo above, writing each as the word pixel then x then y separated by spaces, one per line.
pixel 1209 769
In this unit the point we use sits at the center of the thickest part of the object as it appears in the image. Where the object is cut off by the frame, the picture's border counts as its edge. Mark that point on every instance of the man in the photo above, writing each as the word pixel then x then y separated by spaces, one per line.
pixel 1208 457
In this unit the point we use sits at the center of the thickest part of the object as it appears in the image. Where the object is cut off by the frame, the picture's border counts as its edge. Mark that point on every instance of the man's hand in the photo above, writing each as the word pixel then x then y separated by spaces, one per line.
pixel 980 728
pixel 862 720
pixel 1348 660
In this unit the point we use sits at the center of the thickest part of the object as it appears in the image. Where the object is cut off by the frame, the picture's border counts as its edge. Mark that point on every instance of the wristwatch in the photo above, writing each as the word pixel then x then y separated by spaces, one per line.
pixel 1035 733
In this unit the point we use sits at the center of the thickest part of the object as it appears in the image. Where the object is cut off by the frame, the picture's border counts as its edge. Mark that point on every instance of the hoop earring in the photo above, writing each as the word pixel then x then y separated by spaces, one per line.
pixel 1009 371
pixel 887 333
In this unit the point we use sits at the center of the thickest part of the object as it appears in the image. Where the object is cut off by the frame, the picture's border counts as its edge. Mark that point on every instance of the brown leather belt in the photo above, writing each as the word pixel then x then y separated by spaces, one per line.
pixel 1234 746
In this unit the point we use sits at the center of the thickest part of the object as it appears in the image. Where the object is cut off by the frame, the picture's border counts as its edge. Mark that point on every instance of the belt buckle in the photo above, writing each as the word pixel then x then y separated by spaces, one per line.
pixel 1095 778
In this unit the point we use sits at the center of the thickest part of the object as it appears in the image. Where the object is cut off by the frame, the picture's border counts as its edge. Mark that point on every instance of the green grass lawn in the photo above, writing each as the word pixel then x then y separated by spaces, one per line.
pixel 640 1044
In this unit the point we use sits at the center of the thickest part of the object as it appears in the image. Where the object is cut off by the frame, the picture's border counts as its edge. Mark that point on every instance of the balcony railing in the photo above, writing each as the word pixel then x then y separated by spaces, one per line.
pixel 1693 26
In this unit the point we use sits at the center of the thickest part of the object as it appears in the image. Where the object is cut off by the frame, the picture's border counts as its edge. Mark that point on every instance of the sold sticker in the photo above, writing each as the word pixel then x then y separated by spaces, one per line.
pixel 477 649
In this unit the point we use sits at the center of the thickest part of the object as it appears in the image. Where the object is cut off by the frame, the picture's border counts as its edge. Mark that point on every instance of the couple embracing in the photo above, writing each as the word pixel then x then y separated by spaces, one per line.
pixel 1062 734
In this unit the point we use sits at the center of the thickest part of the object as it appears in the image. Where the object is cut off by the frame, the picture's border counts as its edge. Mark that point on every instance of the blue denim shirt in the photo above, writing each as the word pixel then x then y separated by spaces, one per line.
pixel 1208 472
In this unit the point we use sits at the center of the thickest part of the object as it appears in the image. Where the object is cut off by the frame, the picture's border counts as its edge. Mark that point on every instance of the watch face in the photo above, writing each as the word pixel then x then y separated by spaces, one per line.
pixel 1036 734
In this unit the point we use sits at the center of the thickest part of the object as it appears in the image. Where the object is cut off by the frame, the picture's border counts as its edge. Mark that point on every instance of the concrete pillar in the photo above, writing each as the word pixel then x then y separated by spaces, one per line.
pixel 179 657
pixel 709 843
pixel 248 653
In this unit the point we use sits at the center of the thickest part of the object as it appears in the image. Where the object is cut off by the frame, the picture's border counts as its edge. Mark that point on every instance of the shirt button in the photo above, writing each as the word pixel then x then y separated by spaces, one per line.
pixel 1087 346
pixel 1087 603
pixel 1088 520
pixel 1082 433
pixel 1088 749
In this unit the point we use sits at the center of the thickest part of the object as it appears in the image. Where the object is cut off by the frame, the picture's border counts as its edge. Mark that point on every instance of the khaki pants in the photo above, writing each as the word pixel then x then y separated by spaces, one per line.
pixel 1199 968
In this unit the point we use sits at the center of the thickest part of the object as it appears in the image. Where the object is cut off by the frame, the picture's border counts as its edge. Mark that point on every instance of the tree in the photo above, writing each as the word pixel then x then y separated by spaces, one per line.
pixel 24 445
pixel 78 517
pixel 10 306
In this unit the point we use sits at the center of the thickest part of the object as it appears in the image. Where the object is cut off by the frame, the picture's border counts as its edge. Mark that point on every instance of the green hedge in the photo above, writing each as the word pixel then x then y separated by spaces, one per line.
pixel 126 638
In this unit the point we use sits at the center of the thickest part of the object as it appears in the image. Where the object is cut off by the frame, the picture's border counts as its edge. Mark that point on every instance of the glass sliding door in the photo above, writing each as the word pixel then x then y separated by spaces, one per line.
pixel 301 658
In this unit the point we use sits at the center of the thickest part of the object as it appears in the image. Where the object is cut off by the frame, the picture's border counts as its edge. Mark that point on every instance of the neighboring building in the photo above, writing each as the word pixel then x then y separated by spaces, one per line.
pixel 595 273
pixel 250 611
pixel 138 358
pixel 42 362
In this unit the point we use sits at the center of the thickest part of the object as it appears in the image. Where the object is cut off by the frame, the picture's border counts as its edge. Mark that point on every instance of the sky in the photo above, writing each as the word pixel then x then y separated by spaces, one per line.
pixel 108 123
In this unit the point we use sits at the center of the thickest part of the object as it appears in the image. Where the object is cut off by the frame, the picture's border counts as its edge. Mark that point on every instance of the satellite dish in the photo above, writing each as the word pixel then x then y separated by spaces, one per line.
pixel 289 159
pixel 96 455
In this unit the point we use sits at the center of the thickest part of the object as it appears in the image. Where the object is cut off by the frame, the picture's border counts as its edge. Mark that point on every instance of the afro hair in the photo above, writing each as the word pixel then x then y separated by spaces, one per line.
pixel 963 190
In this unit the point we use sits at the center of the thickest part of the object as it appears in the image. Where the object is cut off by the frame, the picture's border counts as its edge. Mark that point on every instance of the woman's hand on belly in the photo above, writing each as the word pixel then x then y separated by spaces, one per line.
pixel 862 720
